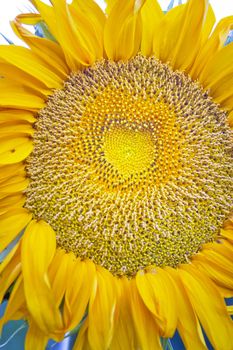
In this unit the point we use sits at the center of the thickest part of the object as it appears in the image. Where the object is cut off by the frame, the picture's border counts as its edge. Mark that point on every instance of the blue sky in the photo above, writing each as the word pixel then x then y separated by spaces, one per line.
pixel 10 8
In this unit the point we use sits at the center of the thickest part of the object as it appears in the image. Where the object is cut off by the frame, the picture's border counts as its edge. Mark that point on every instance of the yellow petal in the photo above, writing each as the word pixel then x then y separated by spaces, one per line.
pixel 224 292
pixel 227 233
pixel 124 335
pixel 168 33
pixel 81 342
pixel 227 104
pixel 7 171
pixel 58 272
pixel 219 274
pixel 212 46
pixel 15 308
pixel 49 51
pixel 17 75
pixel 75 55
pixel 220 254
pixel 228 224
pixel 230 309
pixel 76 36
pixel 190 37
pixel 157 292
pixel 146 329
pixel 15 251
pixel 151 16
pixel 12 202
pixel 30 18
pixel 95 22
pixel 125 22
pixel 14 149
pixel 16 115
pixel 201 55
pixel 35 339
pixel 217 67
pixel 9 270
pixel 13 185
pixel 188 28
pixel 47 13
pixel 78 290
pixel 11 224
pixel 97 15
pixel 230 119
pixel 188 325
pixel 30 63
pixel 101 310
pixel 12 127
pixel 110 4
pixel 209 307
pixel 19 98
pixel 38 249
pixel 221 248
pixel 208 26
pixel 222 91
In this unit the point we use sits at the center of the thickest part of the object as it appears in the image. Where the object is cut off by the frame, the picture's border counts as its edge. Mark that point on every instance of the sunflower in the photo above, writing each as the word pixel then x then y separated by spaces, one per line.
pixel 116 177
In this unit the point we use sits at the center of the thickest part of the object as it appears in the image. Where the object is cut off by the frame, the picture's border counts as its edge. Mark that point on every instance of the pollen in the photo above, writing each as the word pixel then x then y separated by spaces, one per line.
pixel 131 165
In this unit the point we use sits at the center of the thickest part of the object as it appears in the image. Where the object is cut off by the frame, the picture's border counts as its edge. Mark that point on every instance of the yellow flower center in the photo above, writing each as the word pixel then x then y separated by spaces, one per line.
pixel 129 151
pixel 131 165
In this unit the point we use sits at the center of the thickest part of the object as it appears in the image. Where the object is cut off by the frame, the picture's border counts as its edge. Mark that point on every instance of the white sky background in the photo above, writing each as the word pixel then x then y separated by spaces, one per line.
pixel 10 8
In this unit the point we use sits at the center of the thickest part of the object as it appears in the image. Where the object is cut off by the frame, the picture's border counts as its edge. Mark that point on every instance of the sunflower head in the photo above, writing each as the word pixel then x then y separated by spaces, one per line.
pixel 115 153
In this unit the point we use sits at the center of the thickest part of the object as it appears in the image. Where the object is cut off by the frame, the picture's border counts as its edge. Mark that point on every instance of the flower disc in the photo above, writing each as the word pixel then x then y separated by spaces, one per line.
pixel 131 165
